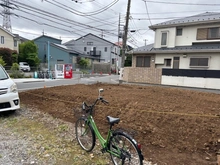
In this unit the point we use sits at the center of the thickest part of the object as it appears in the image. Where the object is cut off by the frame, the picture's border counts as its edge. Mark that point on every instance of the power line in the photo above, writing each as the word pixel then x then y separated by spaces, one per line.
pixel 84 14
pixel 71 10
pixel 147 11
pixel 54 16
pixel 182 3
pixel 180 12
pixel 210 14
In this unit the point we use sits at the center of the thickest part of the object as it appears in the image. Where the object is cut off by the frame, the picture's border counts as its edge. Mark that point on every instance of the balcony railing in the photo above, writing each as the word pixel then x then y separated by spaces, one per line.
pixel 95 53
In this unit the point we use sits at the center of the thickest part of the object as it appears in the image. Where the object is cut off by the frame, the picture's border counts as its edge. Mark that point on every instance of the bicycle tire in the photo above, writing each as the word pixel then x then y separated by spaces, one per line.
pixel 85 135
pixel 123 144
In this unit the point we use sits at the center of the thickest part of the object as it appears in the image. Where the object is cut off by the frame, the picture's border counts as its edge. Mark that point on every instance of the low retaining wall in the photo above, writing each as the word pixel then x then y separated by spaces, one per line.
pixel 198 82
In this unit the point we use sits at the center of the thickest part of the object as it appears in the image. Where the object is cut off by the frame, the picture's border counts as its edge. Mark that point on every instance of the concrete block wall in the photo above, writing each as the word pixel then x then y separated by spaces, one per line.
pixel 142 75
pixel 150 74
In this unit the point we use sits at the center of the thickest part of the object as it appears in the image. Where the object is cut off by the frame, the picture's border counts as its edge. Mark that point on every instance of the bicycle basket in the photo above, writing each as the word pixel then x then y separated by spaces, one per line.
pixel 78 112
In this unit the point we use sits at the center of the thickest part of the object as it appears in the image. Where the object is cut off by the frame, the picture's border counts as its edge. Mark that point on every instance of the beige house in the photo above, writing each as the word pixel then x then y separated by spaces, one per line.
pixel 9 40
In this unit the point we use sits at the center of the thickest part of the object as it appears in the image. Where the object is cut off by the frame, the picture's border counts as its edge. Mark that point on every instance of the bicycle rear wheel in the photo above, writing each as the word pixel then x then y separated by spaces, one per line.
pixel 126 148
pixel 85 135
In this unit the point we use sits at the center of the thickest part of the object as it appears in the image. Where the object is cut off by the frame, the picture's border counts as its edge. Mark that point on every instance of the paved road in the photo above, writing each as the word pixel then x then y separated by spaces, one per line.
pixel 27 84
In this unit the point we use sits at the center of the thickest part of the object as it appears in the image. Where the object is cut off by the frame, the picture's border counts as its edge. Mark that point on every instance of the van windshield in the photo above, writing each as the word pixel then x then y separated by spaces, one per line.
pixel 3 74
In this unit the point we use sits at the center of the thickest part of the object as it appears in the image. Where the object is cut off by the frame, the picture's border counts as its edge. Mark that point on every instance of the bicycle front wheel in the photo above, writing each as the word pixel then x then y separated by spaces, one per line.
pixel 124 150
pixel 85 135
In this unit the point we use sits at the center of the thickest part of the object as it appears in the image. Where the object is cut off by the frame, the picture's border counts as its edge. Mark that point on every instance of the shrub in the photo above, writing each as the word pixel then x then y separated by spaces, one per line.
pixel 2 62
pixel 15 72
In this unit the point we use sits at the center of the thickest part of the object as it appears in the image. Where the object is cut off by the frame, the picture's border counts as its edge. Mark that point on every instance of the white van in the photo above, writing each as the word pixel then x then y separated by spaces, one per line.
pixel 9 98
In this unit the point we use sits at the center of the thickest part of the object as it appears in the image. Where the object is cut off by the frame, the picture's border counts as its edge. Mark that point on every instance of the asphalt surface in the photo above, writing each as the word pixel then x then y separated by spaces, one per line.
pixel 115 80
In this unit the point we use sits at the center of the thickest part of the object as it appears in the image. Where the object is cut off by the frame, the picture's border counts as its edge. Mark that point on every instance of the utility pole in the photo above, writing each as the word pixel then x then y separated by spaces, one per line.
pixel 48 55
pixel 118 52
pixel 145 41
pixel 124 42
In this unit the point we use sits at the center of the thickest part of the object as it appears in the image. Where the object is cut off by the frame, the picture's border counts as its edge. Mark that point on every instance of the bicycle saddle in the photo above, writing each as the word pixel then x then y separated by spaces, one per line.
pixel 112 120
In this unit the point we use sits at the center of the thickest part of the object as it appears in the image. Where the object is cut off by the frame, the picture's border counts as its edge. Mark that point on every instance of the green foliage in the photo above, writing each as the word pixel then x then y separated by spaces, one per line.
pixel 84 71
pixel 6 54
pixel 78 60
pixel 2 62
pixel 14 57
pixel 15 73
pixel 15 66
pixel 28 53
pixel 84 62
pixel 128 61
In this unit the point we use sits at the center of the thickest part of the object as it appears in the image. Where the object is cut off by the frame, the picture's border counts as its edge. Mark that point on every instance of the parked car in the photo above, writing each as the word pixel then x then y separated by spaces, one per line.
pixel 24 66
pixel 9 98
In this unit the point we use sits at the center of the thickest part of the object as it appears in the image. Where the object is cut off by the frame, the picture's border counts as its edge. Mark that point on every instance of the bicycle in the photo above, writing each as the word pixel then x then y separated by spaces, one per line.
pixel 123 149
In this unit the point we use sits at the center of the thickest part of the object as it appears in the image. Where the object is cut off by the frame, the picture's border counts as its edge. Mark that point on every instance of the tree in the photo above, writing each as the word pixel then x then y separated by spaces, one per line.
pixel 84 62
pixel 128 61
pixel 14 57
pixel 6 54
pixel 28 53
pixel 2 62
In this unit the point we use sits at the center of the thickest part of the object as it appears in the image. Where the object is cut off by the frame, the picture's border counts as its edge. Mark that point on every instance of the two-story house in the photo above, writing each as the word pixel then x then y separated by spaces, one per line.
pixel 52 52
pixel 96 49
pixel 9 40
pixel 186 52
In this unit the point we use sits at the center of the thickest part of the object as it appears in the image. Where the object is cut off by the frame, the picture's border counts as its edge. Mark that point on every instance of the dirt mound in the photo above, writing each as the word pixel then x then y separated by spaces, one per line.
pixel 174 126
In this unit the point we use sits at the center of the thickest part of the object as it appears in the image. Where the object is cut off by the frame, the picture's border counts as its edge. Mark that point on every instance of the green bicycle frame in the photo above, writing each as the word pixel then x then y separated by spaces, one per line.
pixel 104 142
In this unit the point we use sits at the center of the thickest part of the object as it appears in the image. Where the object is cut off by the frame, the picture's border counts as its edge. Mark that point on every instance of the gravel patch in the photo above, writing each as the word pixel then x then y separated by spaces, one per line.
pixel 30 137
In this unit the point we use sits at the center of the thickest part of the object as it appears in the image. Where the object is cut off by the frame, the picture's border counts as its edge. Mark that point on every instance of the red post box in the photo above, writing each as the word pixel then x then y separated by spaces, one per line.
pixel 68 71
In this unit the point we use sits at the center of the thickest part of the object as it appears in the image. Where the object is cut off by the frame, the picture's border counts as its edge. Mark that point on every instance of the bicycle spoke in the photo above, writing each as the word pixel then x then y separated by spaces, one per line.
pixel 124 147
pixel 84 135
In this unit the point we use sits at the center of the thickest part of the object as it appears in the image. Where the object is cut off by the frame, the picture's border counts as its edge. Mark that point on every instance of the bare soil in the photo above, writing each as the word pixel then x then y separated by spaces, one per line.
pixel 174 126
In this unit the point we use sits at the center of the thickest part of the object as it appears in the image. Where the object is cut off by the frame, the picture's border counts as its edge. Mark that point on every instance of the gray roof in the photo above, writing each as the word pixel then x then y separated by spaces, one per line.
pixel 65 48
pixel 195 48
pixel 146 48
pixel 208 17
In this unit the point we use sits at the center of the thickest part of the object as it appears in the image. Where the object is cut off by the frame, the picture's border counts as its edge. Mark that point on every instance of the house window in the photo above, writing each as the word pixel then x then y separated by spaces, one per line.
pixel 143 61
pixel 199 62
pixel 168 62
pixel 106 49
pixel 208 33
pixel 2 40
pixel 164 39
pixel 213 33
pixel 15 43
pixel 90 43
pixel 85 49
pixel 179 31
pixel 113 61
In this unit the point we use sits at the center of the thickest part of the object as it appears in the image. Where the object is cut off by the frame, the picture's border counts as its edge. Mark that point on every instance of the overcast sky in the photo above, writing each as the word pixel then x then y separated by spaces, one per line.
pixel 69 20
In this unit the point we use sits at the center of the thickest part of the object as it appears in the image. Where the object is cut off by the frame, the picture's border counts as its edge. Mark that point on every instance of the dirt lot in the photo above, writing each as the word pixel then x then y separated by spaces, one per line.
pixel 174 126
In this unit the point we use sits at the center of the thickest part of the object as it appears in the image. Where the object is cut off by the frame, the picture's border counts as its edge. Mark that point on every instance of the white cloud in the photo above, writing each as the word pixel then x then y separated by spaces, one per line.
pixel 107 20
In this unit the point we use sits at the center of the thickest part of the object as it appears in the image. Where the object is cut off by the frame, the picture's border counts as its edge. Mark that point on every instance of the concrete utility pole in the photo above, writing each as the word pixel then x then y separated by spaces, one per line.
pixel 124 42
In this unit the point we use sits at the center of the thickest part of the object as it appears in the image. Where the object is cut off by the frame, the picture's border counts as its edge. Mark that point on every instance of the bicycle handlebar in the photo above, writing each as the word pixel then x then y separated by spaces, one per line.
pixel 88 108
pixel 103 100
